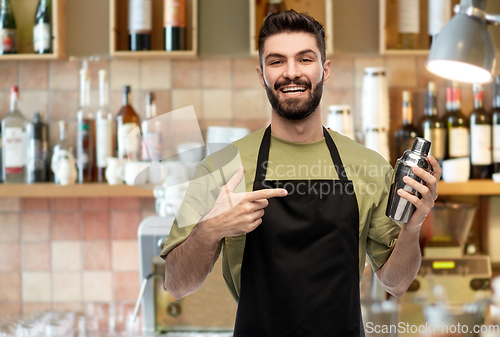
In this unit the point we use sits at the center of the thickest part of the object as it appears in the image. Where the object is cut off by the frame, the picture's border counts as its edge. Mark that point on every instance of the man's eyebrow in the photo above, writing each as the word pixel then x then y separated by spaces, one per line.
pixel 302 52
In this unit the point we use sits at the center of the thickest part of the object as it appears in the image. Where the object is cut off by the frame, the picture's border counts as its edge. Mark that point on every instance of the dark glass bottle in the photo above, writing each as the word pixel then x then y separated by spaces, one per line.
pixel 8 30
pixel 406 134
pixel 140 24
pixel 433 128
pixel 175 24
pixel 37 163
pixel 128 137
pixel 457 128
pixel 480 137
pixel 496 124
pixel 42 30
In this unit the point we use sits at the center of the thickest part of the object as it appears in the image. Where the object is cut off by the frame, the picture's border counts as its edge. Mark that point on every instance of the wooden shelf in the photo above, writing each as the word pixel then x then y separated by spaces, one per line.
pixel 472 187
pixel 155 54
pixel 51 190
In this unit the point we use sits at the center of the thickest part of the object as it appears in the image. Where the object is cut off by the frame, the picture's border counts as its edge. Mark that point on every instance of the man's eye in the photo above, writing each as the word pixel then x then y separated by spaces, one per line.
pixel 306 60
pixel 275 62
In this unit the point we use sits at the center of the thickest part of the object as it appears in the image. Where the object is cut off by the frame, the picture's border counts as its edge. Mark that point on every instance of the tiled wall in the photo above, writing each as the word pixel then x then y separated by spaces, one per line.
pixel 62 253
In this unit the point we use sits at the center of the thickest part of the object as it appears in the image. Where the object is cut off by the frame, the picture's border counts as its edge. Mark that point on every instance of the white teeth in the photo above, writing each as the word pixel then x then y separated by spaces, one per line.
pixel 293 89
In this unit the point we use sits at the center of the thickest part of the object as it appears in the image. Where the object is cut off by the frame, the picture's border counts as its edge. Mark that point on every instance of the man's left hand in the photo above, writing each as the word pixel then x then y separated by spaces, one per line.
pixel 428 192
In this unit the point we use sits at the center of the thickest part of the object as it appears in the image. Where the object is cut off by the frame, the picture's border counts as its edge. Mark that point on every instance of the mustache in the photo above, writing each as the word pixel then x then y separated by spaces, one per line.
pixel 283 83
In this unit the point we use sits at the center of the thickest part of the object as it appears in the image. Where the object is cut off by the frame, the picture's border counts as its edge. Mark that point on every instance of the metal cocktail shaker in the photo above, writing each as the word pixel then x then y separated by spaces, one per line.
pixel 398 208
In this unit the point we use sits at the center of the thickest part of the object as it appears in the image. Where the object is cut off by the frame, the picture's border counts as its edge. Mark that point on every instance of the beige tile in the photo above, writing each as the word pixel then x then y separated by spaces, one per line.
pixel 97 255
pixel 336 97
pixel 67 204
pixel 216 73
pixel 245 75
pixel 36 286
pixel 401 71
pixel 36 256
pixel 249 104
pixel 66 256
pixel 4 103
pixel 34 75
pixel 67 287
pixel 95 204
pixel 156 74
pixel 96 225
pixel 148 213
pixel 342 73
pixel 35 227
pixel 67 306
pixel 9 227
pixel 63 75
pixel 125 255
pixel 10 309
pixel 124 73
pixel 185 97
pixel 31 308
pixel 66 225
pixel 126 204
pixel 163 101
pixel 359 68
pixel 10 257
pixel 126 286
pixel 10 204
pixel 36 204
pixel 98 286
pixel 8 74
pixel 94 68
pixel 148 203
pixel 64 104
pixel 186 74
pixel 125 224
pixel 217 104
pixel 34 101
pixel 10 287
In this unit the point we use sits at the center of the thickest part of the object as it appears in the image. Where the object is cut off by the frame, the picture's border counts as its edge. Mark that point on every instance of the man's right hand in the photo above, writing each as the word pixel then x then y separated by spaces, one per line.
pixel 234 214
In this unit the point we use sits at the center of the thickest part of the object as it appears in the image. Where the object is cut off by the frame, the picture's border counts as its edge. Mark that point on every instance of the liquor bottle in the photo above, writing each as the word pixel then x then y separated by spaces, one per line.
pixel 42 31
pixel 126 121
pixel 496 124
pixel 63 143
pixel 274 6
pixel 175 24
pixel 37 161
pixel 406 134
pixel 8 30
pixel 85 132
pixel 439 15
pixel 408 24
pixel 140 24
pixel 14 142
pixel 457 127
pixel 152 150
pixel 480 137
pixel 104 122
pixel 433 128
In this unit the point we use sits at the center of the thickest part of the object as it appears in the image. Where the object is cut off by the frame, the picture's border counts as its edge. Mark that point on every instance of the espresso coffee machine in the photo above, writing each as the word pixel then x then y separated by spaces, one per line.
pixel 211 309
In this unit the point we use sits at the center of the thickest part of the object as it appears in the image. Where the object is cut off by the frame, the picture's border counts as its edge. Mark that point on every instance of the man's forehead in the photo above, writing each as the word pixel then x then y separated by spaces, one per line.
pixel 290 43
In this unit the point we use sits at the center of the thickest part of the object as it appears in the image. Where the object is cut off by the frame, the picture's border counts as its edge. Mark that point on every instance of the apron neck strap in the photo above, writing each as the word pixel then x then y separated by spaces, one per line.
pixel 265 145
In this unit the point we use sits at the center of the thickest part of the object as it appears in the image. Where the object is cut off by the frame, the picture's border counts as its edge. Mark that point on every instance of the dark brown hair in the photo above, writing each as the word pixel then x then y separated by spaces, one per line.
pixel 291 21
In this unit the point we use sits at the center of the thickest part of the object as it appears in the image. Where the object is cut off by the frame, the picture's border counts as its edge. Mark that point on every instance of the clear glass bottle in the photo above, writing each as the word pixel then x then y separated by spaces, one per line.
pixel 85 132
pixel 480 137
pixel 104 122
pixel 407 133
pixel 14 142
pixel 63 143
pixel 126 121
pixel 433 128
pixel 151 130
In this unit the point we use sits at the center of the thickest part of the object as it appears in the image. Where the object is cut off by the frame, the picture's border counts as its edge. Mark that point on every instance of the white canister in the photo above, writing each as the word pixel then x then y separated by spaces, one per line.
pixel 378 141
pixel 340 120
pixel 375 99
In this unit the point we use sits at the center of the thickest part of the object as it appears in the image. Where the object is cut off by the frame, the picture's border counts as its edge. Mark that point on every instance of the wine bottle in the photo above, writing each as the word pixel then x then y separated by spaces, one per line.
pixel 126 121
pixel 406 134
pixel 480 137
pixel 175 24
pixel 140 24
pixel 496 124
pixel 85 132
pixel 151 131
pixel 408 24
pixel 8 30
pixel 439 15
pixel 274 6
pixel 457 128
pixel 104 122
pixel 433 128
pixel 14 142
pixel 37 162
pixel 42 31
pixel 62 144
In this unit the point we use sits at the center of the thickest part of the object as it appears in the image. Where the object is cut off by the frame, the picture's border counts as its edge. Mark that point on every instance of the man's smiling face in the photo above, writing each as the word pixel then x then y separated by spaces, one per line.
pixel 293 74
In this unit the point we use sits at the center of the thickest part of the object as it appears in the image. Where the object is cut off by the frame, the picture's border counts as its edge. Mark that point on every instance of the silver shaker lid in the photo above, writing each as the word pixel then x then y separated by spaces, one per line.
pixel 421 146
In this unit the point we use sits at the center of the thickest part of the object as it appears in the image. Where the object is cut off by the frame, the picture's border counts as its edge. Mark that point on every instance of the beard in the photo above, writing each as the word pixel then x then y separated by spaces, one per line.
pixel 289 108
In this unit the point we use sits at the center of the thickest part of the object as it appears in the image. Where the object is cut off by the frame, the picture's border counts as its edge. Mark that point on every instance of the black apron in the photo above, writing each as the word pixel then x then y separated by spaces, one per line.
pixel 300 268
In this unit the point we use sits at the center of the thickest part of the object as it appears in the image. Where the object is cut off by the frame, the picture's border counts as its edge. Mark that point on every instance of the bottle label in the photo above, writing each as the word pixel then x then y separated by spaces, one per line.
pixel 439 15
pixel 140 16
pixel 41 37
pixel 8 39
pixel 103 140
pixel 152 147
pixel 83 146
pixel 128 141
pixel 409 16
pixel 13 144
pixel 175 13
pixel 459 142
pixel 496 143
pixel 480 138
pixel 436 137
pixel 37 155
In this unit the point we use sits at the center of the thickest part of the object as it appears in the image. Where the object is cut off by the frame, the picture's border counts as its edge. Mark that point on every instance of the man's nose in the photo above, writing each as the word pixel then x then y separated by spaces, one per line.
pixel 292 71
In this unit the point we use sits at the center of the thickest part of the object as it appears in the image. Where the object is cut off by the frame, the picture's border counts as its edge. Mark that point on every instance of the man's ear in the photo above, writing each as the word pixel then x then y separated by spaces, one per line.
pixel 261 76
pixel 327 69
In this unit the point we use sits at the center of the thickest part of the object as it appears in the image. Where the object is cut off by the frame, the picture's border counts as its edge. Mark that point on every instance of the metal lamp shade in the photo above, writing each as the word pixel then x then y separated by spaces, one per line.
pixel 463 51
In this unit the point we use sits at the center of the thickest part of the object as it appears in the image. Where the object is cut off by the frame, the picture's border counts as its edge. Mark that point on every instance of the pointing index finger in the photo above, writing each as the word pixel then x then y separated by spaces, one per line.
pixel 267 193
